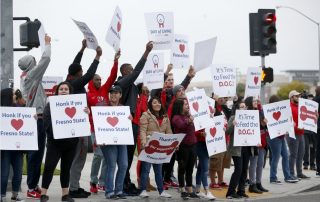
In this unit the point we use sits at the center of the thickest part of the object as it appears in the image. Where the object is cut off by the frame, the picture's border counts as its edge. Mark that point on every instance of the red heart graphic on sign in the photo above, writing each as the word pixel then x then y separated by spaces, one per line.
pixel 213 131
pixel 113 121
pixel 195 106
pixel 276 115
pixel 70 111
pixel 182 48
pixel 17 123
pixel 211 110
pixel 256 79
pixel 118 26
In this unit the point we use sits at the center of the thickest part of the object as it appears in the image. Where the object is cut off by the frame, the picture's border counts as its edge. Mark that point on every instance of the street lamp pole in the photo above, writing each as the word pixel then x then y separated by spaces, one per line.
pixel 312 20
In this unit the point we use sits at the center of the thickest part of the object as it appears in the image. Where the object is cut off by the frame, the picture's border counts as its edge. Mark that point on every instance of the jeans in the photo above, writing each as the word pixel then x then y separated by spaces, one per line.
pixel 115 154
pixel 296 148
pixel 203 166
pixel 96 164
pixel 14 158
pixel 145 170
pixel 130 152
pixel 310 140
pixel 35 157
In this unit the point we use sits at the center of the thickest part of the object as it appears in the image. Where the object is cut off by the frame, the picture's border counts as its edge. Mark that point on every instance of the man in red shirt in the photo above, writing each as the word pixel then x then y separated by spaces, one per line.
pixel 296 146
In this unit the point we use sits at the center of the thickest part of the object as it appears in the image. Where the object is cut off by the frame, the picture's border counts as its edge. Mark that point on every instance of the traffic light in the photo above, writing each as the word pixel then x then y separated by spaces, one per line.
pixel 29 33
pixel 267 75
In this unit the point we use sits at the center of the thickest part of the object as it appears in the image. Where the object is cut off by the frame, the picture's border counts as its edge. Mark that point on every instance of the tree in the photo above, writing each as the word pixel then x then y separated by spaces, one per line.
pixel 284 90
pixel 241 87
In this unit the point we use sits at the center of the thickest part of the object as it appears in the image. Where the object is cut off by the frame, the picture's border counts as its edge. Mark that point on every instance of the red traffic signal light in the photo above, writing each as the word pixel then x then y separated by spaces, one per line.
pixel 270 18
pixel 268 31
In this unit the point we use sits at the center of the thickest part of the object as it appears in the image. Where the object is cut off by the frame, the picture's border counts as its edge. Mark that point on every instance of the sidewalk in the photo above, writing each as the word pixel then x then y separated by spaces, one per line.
pixel 275 191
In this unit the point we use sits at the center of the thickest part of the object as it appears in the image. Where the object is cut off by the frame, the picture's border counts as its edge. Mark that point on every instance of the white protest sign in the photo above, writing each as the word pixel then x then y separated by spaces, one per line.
pixel 278 115
pixel 41 35
pixel 199 108
pixel 215 136
pixel 113 36
pixel 50 83
pixel 153 71
pixel 180 57
pixel 307 115
pixel 68 117
pixel 160 147
pixel 211 105
pixel 224 80
pixel 92 41
pixel 160 29
pixel 18 128
pixel 247 129
pixel 203 53
pixel 112 125
pixel 253 82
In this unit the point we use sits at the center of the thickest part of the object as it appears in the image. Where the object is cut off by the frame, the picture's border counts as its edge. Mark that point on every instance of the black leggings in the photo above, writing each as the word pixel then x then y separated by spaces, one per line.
pixel 56 149
pixel 186 160
pixel 167 168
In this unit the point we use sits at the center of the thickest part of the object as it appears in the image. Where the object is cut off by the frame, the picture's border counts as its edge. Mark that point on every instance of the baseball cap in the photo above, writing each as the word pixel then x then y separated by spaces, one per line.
pixel 115 89
pixel 293 93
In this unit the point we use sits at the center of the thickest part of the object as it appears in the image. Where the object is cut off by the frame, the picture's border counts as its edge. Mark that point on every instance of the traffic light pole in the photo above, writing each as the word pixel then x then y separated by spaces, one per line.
pixel 262 91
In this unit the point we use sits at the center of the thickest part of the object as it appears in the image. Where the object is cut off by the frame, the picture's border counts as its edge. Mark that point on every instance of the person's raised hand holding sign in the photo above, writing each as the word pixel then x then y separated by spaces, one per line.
pixel 149 48
pixel 84 45
pixel 99 53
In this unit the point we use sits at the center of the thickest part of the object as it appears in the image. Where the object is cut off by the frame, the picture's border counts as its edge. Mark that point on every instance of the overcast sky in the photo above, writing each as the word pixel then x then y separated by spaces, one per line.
pixel 227 19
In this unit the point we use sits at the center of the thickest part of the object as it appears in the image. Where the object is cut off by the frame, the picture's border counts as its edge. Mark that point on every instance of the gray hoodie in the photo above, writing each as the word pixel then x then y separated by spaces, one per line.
pixel 30 84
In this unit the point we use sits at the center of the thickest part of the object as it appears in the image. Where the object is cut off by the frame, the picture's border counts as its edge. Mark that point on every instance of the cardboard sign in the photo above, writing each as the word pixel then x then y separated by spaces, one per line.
pixel 199 108
pixel 160 147
pixel 253 83
pixel 113 36
pixel 203 53
pixel 224 80
pixel 50 83
pixel 18 129
pixel 180 57
pixel 160 29
pixel 307 115
pixel 92 42
pixel 279 118
pixel 112 125
pixel 247 129
pixel 68 117
pixel 215 136
pixel 153 71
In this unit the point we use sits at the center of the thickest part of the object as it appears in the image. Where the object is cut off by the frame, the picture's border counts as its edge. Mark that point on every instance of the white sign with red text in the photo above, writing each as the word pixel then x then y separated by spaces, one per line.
pixel 180 57
pixel 215 136
pixel 112 125
pixel 211 105
pixel 50 83
pixel 253 83
pixel 68 117
pixel 203 53
pixel 18 129
pixel 247 128
pixel 308 114
pixel 160 29
pixel 92 42
pixel 113 36
pixel 224 80
pixel 153 71
pixel 160 147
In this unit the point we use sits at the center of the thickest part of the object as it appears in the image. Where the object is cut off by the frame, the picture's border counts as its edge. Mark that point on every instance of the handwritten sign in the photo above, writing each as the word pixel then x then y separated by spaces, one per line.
pixel 224 80
pixel 18 129
pixel 199 108
pixel 112 125
pixel 153 71
pixel 307 114
pixel 68 117
pixel 160 148
pixel 279 118
pixel 92 41
pixel 113 36
pixel 50 83
pixel 253 83
pixel 215 136
pixel 203 53
pixel 160 29
pixel 247 129
pixel 180 57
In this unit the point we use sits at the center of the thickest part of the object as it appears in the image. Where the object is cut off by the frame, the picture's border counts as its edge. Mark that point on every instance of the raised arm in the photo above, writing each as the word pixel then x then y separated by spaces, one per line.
pixel 186 81
pixel 78 57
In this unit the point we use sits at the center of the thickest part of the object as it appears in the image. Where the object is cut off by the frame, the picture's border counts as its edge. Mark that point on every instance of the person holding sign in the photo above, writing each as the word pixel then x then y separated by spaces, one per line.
pixel 34 94
pixel 58 149
pixel 78 81
pixel 182 122
pixel 10 157
pixel 153 120
pixel 317 99
pixel 129 98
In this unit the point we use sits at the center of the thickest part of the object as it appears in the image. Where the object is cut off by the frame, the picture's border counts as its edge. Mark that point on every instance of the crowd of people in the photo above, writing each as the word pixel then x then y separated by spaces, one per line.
pixel 163 110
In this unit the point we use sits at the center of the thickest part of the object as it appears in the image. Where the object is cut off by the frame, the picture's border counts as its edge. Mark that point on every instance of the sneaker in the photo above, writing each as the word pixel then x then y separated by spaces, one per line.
pixel 200 194
pixel 278 182
pixel 223 185
pixel 122 196
pixel 37 189
pixel 93 188
pixel 44 198
pixel 291 180
pixel 101 188
pixel 171 184
pixel 165 195
pixel 144 194
pixel 193 195
pixel 67 198
pixel 209 196
pixel 243 195
pixel 303 176
pixel 113 196
pixel 17 198
pixel 84 191
pixel 33 194
pixel 78 194
pixel 233 196
pixel 185 195
pixel 317 174
pixel 215 186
